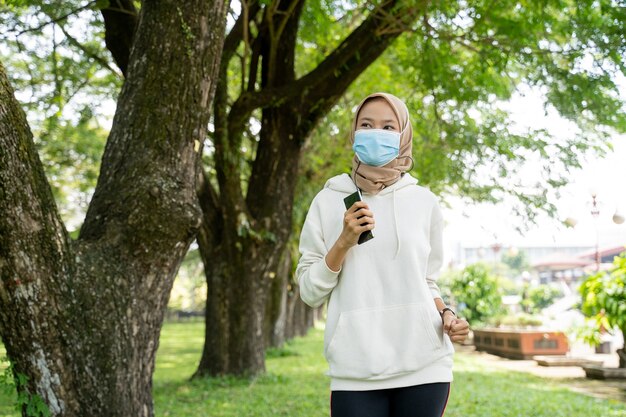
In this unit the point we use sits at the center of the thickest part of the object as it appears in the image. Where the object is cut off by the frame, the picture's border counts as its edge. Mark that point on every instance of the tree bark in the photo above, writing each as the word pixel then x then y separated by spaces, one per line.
pixel 81 319
pixel 276 310
pixel 293 298
pixel 298 318
pixel 120 22
pixel 622 357
pixel 622 352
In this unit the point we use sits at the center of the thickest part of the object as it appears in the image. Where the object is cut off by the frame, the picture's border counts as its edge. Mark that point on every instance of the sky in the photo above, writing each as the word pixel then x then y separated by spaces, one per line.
pixel 486 224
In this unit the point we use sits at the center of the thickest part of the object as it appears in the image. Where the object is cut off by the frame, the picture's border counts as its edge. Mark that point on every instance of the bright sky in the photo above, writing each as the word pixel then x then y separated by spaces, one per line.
pixel 483 225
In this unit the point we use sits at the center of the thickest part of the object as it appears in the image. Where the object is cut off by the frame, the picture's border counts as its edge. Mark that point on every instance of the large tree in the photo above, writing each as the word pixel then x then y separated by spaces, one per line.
pixel 81 318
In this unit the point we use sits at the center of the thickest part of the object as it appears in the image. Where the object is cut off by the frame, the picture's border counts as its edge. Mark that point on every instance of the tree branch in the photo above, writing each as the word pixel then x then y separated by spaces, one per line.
pixel 321 87
pixel 120 21
pixel 236 34
pixel 210 230
pixel 225 140
pixel 89 53
pixel 254 65
pixel 58 19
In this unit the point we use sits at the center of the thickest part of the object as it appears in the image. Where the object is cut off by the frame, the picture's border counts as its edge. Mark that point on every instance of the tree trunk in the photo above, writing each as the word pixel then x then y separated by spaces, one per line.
pixel 622 352
pixel 239 281
pixel 293 298
pixel 81 319
pixel 276 311
pixel 303 318
pixel 622 357
pixel 299 317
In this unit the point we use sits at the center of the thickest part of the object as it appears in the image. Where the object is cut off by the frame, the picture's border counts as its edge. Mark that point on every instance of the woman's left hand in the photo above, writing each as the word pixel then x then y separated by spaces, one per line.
pixel 456 328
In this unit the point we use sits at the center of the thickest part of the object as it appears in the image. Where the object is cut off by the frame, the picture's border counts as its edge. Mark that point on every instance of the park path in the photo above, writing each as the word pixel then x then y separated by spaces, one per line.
pixel 573 377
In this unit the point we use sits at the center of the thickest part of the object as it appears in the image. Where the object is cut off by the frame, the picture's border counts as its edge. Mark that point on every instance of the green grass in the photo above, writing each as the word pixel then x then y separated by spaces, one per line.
pixel 295 385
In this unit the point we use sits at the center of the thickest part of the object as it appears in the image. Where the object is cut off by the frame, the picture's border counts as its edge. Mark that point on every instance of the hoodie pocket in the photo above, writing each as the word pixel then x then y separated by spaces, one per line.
pixel 382 342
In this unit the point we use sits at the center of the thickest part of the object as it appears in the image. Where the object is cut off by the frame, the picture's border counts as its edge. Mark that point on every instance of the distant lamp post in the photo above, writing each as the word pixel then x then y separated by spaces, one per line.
pixel 595 212
pixel 496 249
pixel 618 218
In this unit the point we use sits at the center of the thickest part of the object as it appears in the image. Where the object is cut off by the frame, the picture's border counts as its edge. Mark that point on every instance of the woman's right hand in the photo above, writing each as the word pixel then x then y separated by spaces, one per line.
pixel 356 220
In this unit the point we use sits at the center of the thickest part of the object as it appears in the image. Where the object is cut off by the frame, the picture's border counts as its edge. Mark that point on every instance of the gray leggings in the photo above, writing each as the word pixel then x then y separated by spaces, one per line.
pixel 427 400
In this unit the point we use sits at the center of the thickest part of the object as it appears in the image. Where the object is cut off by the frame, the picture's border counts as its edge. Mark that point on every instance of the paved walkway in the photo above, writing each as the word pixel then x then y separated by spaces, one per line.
pixel 571 376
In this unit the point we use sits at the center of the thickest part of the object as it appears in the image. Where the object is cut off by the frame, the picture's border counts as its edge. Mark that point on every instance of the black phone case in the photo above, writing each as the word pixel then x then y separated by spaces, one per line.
pixel 349 201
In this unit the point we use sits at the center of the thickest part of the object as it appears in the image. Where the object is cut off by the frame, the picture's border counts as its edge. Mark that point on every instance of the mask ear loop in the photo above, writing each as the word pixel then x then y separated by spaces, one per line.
pixel 358 164
pixel 412 162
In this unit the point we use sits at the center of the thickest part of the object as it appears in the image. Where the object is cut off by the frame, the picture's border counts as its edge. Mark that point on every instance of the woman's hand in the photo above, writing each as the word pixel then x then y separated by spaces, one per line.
pixel 456 328
pixel 356 220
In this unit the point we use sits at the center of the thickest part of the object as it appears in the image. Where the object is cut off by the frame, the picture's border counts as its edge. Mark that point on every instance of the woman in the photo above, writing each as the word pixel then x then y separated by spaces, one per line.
pixel 388 332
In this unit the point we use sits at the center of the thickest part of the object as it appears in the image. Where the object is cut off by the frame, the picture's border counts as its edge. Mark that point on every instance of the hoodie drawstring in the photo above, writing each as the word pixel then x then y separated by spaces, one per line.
pixel 395 223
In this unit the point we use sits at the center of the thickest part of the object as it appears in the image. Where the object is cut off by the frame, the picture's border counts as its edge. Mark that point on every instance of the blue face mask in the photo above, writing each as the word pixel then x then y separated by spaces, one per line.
pixel 376 147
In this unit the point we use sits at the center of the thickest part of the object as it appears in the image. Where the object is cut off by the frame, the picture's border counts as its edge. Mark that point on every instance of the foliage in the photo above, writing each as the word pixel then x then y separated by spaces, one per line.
pixel 71 153
pixel 516 260
pixel 587 332
pixel 476 293
pixel 189 289
pixel 7 382
pixel 62 77
pixel 508 285
pixel 12 382
pixel 536 298
pixel 604 297
pixel 520 319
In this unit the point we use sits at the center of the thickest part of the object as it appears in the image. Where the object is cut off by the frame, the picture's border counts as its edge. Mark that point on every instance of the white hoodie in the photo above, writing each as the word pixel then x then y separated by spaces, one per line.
pixel 383 329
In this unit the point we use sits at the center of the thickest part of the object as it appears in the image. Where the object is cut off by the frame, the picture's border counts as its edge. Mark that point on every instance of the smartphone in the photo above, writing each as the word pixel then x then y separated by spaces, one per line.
pixel 349 201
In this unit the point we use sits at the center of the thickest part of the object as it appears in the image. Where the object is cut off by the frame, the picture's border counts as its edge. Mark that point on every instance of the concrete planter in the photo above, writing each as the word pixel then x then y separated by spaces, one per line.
pixel 555 360
pixel 520 343
pixel 600 372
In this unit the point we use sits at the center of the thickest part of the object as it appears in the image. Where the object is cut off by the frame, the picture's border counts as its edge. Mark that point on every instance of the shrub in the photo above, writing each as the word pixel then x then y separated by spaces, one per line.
pixel 534 299
pixel 520 319
pixel 476 293
pixel 604 299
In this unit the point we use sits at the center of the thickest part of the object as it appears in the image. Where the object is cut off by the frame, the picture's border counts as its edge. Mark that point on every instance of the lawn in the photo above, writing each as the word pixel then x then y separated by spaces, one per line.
pixel 295 385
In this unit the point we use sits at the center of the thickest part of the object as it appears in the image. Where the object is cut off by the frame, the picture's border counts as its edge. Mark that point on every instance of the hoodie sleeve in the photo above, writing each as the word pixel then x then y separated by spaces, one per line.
pixel 435 258
pixel 315 278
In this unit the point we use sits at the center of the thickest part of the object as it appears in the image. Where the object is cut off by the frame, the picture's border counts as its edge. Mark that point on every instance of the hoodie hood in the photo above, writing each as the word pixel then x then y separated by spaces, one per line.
pixel 343 183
